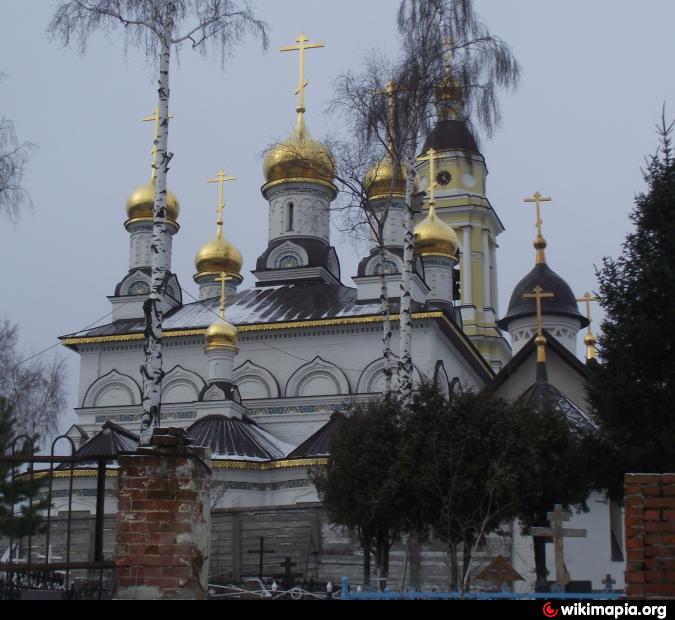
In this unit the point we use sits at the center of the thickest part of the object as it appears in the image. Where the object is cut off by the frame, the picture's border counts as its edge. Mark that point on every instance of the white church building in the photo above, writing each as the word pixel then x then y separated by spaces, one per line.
pixel 259 382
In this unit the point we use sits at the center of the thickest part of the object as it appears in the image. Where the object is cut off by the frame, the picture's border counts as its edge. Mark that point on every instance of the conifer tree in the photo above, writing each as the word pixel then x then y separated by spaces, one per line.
pixel 632 390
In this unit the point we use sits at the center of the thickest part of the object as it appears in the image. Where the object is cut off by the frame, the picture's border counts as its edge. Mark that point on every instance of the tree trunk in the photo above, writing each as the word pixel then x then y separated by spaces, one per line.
pixel 405 364
pixel 152 368
pixel 541 572
pixel 386 326
pixel 382 551
pixel 366 562
pixel 454 566
pixel 467 557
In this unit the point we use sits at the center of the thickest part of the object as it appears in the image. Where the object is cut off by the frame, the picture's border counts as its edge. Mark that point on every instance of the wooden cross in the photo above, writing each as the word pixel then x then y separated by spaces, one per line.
pixel 155 119
pixel 558 532
pixel 609 583
pixel 288 576
pixel 539 294
pixel 538 199
pixel 302 45
pixel 261 551
pixel 221 178
pixel 431 158
pixel 222 278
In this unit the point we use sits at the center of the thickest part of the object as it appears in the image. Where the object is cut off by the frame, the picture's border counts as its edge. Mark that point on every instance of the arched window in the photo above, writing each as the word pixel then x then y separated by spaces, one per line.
pixel 290 208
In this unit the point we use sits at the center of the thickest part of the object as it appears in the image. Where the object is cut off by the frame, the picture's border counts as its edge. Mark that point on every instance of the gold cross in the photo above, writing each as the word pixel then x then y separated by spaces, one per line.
pixel 431 158
pixel 222 278
pixel 588 298
pixel 155 119
pixel 538 199
pixel 221 178
pixel 303 44
pixel 539 295
pixel 390 93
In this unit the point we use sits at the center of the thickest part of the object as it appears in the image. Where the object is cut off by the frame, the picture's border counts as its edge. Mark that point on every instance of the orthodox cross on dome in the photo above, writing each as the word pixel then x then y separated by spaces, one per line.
pixel 431 158
pixel 221 178
pixel 302 45
pixel 223 278
pixel 389 91
pixel 155 119
pixel 539 242
pixel 540 340
pixel 589 340
pixel 558 532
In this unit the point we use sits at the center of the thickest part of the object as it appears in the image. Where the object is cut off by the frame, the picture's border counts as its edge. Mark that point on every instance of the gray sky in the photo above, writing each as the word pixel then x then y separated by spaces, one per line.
pixel 595 75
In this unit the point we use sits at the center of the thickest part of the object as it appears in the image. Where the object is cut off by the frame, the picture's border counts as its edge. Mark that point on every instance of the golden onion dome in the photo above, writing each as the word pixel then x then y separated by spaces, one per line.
pixel 221 335
pixel 142 201
pixel 382 181
pixel 434 236
pixel 219 256
pixel 299 157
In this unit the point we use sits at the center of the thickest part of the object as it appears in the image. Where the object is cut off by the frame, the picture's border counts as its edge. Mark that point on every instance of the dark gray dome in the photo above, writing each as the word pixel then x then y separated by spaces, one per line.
pixel 563 302
pixel 451 135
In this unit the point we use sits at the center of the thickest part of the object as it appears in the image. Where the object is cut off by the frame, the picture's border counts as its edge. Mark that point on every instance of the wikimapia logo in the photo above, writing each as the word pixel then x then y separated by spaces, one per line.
pixel 613 611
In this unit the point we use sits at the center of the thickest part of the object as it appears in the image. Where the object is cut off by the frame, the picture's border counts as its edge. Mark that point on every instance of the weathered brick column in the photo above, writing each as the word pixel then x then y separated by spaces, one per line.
pixel 650 535
pixel 163 520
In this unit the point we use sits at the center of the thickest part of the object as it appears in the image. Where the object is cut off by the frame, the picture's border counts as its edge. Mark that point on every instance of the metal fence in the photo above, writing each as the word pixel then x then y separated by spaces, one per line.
pixel 41 559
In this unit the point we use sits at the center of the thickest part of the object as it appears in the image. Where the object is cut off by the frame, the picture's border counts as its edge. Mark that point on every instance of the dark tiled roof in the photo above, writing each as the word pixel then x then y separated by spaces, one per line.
pixel 273 304
pixel 562 303
pixel 235 439
pixel 542 394
pixel 111 441
pixel 451 135
pixel 318 444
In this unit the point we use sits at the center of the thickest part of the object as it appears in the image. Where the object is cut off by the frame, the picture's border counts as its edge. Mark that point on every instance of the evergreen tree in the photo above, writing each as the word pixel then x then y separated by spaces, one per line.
pixel 462 465
pixel 632 390
pixel 359 486
pixel 19 504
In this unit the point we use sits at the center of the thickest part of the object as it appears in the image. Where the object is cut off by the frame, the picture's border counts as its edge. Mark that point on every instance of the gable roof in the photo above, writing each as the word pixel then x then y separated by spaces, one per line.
pixel 530 348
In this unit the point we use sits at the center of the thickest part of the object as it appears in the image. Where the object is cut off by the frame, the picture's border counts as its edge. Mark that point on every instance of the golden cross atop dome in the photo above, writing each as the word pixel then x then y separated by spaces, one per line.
pixel 589 340
pixel 222 278
pixel 538 199
pixel 302 45
pixel 587 299
pixel 540 340
pixel 389 91
pixel 431 158
pixel 221 178
pixel 155 119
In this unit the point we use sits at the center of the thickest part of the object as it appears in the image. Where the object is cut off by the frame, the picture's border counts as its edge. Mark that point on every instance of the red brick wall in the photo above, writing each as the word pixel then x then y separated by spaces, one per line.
pixel 162 525
pixel 650 535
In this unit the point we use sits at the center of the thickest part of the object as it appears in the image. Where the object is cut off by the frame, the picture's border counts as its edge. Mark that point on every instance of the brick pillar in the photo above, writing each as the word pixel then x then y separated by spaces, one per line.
pixel 163 520
pixel 650 535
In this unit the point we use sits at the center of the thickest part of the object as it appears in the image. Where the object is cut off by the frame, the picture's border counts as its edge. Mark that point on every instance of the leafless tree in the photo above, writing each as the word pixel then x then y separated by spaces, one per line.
pixel 14 156
pixel 157 27
pixel 35 387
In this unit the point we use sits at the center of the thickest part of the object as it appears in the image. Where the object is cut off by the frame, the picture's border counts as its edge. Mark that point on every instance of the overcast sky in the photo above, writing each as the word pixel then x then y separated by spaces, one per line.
pixel 595 75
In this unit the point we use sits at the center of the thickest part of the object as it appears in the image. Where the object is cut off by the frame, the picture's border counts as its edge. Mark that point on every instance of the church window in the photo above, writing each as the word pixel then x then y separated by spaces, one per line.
pixel 288 261
pixel 390 266
pixel 139 288
pixel 290 213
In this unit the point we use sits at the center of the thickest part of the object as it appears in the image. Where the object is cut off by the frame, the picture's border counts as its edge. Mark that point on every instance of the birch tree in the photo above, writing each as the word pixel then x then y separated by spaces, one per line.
pixel 14 156
pixel 157 27
pixel 441 39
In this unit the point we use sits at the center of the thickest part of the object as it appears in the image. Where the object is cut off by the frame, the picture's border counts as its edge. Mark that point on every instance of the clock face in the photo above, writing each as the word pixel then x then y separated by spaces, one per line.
pixel 139 288
pixel 443 177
